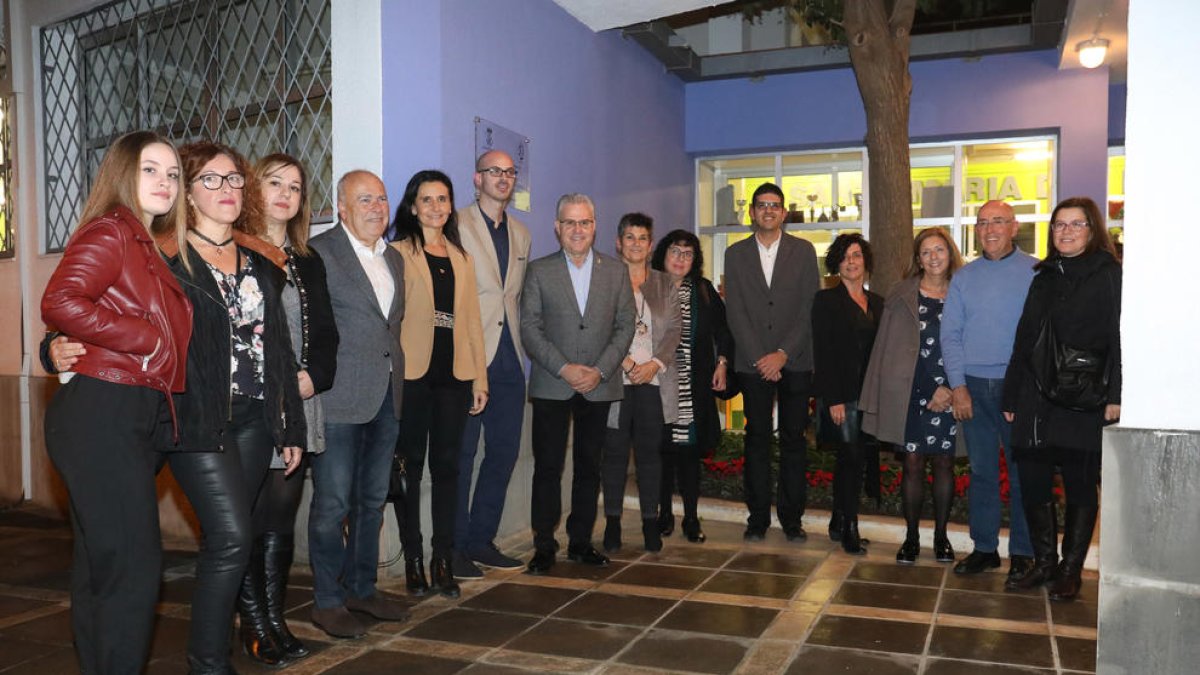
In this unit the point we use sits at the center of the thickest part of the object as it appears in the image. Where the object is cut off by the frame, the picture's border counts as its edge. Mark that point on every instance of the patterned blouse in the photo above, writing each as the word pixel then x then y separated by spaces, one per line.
pixel 246 306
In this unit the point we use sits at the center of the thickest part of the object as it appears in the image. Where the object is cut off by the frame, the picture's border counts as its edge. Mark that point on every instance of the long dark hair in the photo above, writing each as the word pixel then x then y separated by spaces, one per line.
pixel 406 223
pixel 683 238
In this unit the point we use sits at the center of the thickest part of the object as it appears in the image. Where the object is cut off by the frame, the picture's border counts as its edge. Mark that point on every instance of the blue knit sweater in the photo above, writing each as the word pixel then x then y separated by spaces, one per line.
pixel 981 313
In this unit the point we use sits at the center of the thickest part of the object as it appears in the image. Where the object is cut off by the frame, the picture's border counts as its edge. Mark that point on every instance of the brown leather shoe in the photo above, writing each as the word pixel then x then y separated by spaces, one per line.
pixel 379 606
pixel 338 622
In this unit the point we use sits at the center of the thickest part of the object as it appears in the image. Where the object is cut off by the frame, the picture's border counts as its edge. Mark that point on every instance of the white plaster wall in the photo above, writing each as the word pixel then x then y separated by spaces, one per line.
pixel 1160 324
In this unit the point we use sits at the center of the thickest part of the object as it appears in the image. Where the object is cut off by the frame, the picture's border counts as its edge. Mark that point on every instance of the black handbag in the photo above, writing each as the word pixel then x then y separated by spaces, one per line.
pixel 398 483
pixel 1068 376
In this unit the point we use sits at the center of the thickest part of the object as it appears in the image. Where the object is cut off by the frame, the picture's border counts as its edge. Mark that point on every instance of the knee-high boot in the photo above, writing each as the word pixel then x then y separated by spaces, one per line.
pixel 277 555
pixel 1043 534
pixel 1077 536
pixel 258 640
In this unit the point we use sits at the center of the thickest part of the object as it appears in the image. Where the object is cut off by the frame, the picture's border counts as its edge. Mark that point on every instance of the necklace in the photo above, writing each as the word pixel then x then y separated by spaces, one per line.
pixel 220 246
pixel 641 325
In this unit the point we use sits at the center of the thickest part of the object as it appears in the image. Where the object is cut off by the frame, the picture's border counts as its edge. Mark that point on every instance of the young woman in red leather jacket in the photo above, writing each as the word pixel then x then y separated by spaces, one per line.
pixel 113 291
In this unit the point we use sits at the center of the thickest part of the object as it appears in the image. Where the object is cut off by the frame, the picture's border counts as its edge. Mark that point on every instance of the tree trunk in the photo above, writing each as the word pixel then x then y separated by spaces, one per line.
pixel 877 32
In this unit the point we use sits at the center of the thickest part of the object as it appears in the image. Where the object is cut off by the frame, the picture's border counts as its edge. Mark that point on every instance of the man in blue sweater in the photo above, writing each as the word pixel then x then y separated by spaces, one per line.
pixel 978 325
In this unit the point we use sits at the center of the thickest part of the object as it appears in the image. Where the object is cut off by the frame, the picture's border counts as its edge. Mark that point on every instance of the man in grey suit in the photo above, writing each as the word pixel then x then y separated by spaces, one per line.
pixel 499 244
pixel 770 281
pixel 362 410
pixel 577 321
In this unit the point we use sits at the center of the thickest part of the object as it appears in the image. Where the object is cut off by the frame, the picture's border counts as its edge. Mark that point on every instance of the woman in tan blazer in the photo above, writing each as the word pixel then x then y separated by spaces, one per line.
pixel 445 373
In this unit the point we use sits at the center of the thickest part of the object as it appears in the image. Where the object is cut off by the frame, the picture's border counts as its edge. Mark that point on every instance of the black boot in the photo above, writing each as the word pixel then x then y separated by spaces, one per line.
pixel 414 577
pixel 836 522
pixel 651 535
pixel 851 542
pixel 1043 534
pixel 666 488
pixel 1077 536
pixel 441 577
pixel 691 529
pixel 612 533
pixel 277 556
pixel 258 640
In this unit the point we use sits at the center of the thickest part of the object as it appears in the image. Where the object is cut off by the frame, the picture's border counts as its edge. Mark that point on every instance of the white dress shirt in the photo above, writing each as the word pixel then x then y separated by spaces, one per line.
pixel 766 256
pixel 376 267
pixel 581 279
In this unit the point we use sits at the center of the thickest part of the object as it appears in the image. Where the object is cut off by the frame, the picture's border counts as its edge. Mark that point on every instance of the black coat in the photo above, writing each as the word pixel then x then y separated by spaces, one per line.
pixel 712 339
pixel 204 408
pixel 319 351
pixel 840 350
pixel 1082 295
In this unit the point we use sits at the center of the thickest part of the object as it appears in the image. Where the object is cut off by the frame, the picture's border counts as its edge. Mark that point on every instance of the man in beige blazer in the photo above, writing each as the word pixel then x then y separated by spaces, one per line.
pixel 499 245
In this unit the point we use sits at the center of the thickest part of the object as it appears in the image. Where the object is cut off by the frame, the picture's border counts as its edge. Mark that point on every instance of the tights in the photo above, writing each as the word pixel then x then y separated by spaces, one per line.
pixel 279 501
pixel 913 491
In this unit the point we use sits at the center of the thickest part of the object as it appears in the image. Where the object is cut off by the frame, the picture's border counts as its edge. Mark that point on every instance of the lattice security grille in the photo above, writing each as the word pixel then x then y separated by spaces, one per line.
pixel 254 74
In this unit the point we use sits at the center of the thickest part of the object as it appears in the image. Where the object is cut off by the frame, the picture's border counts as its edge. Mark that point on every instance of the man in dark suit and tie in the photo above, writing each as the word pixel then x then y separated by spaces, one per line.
pixel 770 281
pixel 362 410
pixel 577 320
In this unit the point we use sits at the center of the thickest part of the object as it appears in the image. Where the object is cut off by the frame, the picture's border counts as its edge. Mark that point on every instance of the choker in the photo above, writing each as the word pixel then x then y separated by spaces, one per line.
pixel 219 245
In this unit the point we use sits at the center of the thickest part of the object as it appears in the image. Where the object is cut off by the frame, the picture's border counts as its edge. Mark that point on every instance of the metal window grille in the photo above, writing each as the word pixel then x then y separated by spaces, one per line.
pixel 253 74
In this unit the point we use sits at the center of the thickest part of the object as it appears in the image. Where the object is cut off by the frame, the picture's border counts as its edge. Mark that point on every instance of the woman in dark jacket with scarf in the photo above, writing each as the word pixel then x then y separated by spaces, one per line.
pixel 701 368
pixel 845 319
pixel 1078 292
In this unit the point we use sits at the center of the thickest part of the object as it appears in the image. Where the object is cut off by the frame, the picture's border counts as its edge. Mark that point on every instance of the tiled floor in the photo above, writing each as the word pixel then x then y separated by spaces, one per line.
pixel 720 607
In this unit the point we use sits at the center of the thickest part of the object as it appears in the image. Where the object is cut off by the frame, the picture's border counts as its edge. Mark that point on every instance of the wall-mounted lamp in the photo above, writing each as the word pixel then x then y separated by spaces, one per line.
pixel 1092 52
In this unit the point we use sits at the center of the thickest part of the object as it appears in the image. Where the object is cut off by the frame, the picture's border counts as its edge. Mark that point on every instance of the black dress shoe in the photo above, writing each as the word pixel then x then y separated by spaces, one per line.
pixel 796 533
pixel 666 524
pixel 835 525
pixel 909 551
pixel 977 562
pixel 441 577
pixel 851 542
pixel 414 577
pixel 755 534
pixel 651 535
pixel 691 530
pixel 586 554
pixel 612 533
pixel 942 550
pixel 1019 566
pixel 541 563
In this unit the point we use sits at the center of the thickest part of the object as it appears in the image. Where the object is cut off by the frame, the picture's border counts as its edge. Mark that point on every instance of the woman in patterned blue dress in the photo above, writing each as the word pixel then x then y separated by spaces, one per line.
pixel 906 400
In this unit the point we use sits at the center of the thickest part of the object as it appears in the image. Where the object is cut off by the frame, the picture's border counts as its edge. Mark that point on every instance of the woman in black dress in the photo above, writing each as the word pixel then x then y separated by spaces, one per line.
pixel 702 362
pixel 844 320
pixel 1076 298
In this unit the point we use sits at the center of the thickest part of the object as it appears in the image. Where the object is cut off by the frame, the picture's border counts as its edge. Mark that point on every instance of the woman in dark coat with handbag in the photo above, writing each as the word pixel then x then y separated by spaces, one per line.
pixel 845 319
pixel 1074 302
pixel 701 367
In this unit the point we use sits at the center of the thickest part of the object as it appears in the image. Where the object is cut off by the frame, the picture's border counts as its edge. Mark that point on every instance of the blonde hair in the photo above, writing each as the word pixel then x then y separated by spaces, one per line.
pixel 116 182
pixel 298 226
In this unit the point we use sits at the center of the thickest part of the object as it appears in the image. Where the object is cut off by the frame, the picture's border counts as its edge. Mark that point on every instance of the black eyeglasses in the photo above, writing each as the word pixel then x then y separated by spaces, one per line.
pixel 496 172
pixel 213 181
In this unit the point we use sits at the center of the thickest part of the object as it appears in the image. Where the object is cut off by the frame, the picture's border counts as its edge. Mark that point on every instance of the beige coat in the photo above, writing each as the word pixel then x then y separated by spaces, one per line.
pixel 416 331
pixel 496 299
pixel 887 386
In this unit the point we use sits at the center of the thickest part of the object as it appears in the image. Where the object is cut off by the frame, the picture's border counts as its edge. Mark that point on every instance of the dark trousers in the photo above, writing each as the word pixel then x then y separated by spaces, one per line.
pixel 680 462
pixel 278 501
pixel 100 437
pixel 1080 475
pixel 434 413
pixel 478 515
pixel 850 462
pixel 792 393
pixel 551 422
pixel 640 425
pixel 221 487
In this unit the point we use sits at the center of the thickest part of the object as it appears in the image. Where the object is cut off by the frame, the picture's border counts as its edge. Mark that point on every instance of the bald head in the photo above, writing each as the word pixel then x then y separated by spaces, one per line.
pixel 362 204
pixel 995 228
pixel 496 190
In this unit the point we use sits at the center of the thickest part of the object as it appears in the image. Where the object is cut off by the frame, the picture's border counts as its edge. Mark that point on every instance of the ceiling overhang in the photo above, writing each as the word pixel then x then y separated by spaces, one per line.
pixel 604 14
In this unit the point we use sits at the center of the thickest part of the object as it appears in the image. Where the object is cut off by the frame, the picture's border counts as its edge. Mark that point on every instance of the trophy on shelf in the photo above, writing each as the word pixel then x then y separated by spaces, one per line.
pixel 741 211
pixel 812 203
pixel 725 213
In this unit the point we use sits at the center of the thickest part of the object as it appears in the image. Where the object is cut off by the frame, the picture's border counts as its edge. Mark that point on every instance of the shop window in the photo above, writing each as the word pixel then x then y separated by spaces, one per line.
pixel 254 74
pixel 1017 172
pixel 1116 195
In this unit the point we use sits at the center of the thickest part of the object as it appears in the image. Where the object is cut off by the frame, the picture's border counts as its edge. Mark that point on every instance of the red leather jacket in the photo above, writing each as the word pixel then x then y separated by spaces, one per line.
pixel 113 292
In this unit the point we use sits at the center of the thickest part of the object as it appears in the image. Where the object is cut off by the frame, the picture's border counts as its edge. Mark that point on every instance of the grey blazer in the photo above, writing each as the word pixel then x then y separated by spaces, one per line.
pixel 555 334
pixel 369 356
pixel 662 301
pixel 495 298
pixel 764 319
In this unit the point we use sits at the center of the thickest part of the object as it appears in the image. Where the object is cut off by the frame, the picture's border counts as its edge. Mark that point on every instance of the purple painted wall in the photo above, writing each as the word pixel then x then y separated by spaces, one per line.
pixel 951 98
pixel 1116 113
pixel 603 116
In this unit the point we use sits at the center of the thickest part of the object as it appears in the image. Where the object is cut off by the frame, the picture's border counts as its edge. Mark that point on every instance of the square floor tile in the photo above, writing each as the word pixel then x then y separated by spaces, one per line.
pixel 690 556
pixel 14 651
pixel 595 641
pixel 991 645
pixel 565 569
pixel 466 626
pixel 170 637
pixel 987 582
pixel 662 576
pixel 493 669
pixel 376 662
pixel 522 599
pixel 874 634
pixel 993 606
pixel 42 561
pixel 752 583
pixel 1077 654
pixel 951 667
pixel 890 596
pixel 1074 613
pixel 909 575
pixel 53 660
pixel 774 563
pixel 685 652
pixel 12 606
pixel 835 660
pixel 708 617
pixel 610 608
pixel 52 629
